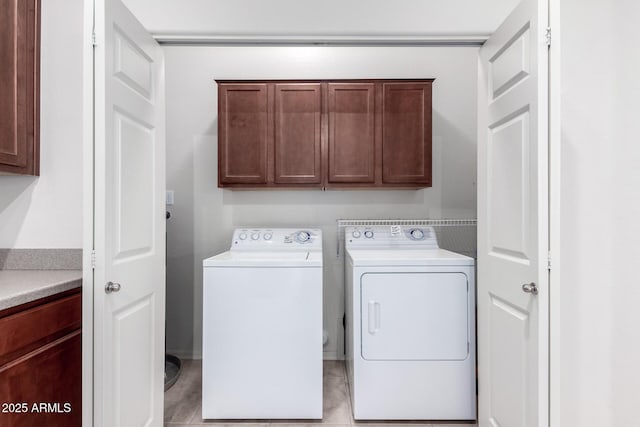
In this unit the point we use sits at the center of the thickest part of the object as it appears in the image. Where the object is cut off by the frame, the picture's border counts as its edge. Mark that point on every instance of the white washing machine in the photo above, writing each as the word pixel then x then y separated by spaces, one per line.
pixel 262 326
pixel 410 307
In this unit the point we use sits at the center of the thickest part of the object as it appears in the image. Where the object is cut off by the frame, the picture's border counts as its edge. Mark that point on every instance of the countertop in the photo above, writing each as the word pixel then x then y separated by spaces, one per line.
pixel 22 286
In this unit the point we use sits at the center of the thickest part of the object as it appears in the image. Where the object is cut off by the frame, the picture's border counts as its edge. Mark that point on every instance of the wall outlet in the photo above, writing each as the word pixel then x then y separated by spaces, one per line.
pixel 169 198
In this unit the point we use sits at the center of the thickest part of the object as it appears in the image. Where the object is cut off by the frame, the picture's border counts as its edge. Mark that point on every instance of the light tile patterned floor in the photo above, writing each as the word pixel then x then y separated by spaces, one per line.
pixel 183 406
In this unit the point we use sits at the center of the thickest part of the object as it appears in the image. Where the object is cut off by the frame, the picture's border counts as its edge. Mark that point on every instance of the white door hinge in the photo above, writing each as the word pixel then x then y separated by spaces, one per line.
pixel 547 36
pixel 93 39
pixel 549 261
pixel 93 260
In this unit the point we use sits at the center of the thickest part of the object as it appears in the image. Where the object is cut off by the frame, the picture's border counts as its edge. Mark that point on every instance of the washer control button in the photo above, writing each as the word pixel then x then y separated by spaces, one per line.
pixel 356 234
pixel 267 236
pixel 242 236
pixel 368 234
pixel 255 236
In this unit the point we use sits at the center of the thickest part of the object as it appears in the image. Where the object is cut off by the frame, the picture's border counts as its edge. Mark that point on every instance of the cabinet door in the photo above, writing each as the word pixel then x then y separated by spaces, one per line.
pixel 19 86
pixel 297 133
pixel 406 133
pixel 351 132
pixel 51 376
pixel 243 114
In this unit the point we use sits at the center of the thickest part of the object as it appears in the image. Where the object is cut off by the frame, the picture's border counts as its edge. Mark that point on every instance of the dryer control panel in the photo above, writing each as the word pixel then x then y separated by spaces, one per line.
pixel 261 239
pixel 390 236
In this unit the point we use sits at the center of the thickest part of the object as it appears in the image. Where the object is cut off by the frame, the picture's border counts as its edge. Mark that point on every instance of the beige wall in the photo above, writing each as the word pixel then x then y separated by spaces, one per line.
pixel 46 212
pixel 204 216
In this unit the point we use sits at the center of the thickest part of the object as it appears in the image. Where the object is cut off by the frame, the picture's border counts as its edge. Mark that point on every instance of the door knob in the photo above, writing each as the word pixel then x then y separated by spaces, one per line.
pixel 530 288
pixel 112 287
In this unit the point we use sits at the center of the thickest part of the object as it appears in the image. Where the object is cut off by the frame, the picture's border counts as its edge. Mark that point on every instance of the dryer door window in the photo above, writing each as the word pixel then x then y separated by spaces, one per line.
pixel 414 316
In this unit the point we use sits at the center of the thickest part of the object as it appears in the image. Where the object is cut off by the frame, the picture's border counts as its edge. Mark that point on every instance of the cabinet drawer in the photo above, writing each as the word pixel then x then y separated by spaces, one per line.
pixel 26 330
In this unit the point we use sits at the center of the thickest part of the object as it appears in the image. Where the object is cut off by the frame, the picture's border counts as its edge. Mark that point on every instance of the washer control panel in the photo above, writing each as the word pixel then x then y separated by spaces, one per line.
pixel 276 238
pixel 391 235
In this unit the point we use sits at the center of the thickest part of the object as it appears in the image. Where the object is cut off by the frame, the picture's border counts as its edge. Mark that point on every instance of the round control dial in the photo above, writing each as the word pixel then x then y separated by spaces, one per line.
pixel 255 236
pixel 303 236
pixel 356 234
pixel 242 236
pixel 416 234
pixel 368 234
pixel 267 236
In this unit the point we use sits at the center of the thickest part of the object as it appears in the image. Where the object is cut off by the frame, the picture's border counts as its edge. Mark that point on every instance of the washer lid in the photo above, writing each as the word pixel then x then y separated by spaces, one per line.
pixel 407 257
pixel 272 259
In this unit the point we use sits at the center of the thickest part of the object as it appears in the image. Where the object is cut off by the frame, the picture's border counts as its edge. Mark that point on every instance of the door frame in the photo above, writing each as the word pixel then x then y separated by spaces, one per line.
pixel 554 149
pixel 554 139
pixel 88 177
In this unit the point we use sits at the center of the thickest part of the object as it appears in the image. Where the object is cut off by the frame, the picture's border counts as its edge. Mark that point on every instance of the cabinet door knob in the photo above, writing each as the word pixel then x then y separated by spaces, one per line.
pixel 530 288
pixel 112 287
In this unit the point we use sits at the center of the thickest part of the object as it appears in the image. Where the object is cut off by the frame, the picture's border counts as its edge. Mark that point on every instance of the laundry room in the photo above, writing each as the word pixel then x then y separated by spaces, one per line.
pixel 204 216
pixel 165 188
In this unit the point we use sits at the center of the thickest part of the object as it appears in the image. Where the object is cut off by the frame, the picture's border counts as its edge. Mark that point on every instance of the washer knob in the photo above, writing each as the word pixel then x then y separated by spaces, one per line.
pixel 242 236
pixel 417 234
pixel 255 236
pixel 268 236
pixel 356 234
pixel 303 236
pixel 368 234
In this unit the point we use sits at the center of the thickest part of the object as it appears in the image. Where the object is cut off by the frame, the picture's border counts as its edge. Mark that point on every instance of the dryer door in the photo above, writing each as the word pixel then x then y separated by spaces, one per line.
pixel 414 316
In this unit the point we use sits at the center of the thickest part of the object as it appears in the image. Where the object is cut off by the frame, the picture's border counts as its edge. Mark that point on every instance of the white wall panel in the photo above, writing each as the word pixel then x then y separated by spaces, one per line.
pixel 598 295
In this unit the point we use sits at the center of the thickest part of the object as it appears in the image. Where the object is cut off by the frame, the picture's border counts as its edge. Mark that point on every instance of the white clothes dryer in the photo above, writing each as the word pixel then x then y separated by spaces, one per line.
pixel 262 326
pixel 410 313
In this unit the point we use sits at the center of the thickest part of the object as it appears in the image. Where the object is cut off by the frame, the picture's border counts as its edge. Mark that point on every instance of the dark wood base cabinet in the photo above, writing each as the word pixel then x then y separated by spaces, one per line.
pixel 41 363
pixel 324 134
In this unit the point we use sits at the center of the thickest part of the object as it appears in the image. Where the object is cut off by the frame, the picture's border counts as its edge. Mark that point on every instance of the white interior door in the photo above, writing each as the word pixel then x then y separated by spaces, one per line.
pixel 513 221
pixel 129 221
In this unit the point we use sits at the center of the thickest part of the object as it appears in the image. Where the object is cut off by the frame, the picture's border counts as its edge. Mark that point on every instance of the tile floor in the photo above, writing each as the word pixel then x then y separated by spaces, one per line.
pixel 183 407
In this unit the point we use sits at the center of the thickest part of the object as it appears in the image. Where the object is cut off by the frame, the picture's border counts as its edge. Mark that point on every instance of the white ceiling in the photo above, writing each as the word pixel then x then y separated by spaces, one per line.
pixel 321 18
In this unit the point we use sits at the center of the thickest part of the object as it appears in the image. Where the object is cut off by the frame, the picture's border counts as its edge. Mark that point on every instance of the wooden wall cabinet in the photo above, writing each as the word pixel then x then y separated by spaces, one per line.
pixel 406 133
pixel 297 134
pixel 351 133
pixel 325 134
pixel 41 361
pixel 19 87
pixel 243 133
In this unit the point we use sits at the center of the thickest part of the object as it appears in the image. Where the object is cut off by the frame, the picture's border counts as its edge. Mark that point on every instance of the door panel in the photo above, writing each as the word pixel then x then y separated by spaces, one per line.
pixel 507 324
pixel 134 222
pixel 244 133
pixel 406 133
pixel 129 221
pixel 133 328
pixel 510 65
pixel 414 316
pixel 508 190
pixel 351 132
pixel 513 221
pixel 297 133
